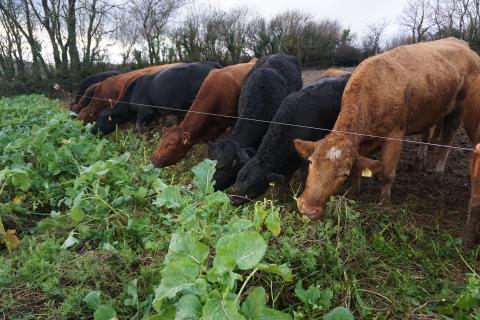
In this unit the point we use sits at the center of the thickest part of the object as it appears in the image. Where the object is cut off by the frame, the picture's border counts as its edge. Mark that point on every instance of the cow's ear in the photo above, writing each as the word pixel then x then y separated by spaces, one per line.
pixel 275 178
pixel 374 166
pixel 304 148
pixel 186 138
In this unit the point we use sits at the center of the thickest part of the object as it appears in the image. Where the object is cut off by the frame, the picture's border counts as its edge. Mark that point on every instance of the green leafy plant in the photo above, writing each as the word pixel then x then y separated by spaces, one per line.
pixel 205 267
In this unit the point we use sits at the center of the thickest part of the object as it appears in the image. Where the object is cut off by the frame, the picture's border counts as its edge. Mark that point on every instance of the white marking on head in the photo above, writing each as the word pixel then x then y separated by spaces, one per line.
pixel 334 154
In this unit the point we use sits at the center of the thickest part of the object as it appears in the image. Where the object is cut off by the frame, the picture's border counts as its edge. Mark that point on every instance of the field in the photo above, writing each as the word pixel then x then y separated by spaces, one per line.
pixel 103 234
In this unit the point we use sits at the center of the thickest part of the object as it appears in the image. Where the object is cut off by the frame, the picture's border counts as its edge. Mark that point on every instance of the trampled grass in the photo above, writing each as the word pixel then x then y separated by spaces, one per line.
pixel 95 222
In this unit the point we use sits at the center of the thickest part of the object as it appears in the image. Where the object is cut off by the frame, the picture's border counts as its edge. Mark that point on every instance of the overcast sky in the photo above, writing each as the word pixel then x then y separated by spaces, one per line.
pixel 357 14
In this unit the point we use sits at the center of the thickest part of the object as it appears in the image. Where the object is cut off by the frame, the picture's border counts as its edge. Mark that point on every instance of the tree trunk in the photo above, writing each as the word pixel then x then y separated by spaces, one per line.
pixel 72 36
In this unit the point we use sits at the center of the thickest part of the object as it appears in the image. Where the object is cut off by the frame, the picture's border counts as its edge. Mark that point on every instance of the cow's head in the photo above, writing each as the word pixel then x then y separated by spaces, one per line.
pixel 106 122
pixel 174 144
pixel 331 161
pixel 86 115
pixel 253 180
pixel 85 99
pixel 230 159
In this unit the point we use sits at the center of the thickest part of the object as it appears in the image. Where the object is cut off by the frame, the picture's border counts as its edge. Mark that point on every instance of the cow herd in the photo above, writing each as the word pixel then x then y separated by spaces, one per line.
pixel 275 127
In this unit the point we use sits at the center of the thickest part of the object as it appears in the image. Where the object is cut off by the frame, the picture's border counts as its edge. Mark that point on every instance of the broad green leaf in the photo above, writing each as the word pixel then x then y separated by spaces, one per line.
pixel 132 292
pixel 93 300
pixel 187 214
pixel 170 198
pixel 273 222
pixel 203 173
pixel 239 224
pixel 259 215
pixel 219 308
pixel 70 241
pixel 254 307
pixel 158 185
pixel 313 296
pixel 178 276
pixel 339 313
pixel 243 249
pixel 105 312
pixel 188 308
pixel 21 179
pixel 283 270
pixel 184 244
pixel 167 313
pixel 254 303
pixel 77 214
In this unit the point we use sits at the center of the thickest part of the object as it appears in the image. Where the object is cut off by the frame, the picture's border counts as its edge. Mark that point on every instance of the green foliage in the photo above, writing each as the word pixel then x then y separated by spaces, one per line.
pixel 314 297
pixel 202 263
pixel 339 313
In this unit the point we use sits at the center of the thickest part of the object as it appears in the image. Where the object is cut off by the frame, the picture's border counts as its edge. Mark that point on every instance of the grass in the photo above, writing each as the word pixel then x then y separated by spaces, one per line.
pixel 380 264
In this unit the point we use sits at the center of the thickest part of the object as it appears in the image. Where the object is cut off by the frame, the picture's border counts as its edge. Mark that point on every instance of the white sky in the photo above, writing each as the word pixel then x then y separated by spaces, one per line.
pixel 357 14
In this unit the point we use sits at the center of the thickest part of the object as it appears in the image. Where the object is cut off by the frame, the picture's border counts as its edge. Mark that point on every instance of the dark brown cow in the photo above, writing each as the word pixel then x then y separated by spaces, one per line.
pixel 404 91
pixel 85 99
pixel 471 122
pixel 218 95
pixel 113 89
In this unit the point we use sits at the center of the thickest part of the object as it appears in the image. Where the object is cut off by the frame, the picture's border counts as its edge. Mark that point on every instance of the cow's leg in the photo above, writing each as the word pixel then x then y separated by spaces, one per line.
pixel 471 228
pixel 390 155
pixel 143 117
pixel 451 123
pixel 427 136
pixel 356 176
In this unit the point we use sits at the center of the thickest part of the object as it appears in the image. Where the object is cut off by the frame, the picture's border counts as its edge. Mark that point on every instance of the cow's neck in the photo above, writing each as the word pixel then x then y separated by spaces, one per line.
pixel 194 123
pixel 353 122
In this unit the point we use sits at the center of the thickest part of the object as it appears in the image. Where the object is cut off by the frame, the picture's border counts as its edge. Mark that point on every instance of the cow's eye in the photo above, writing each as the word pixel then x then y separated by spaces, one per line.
pixel 309 160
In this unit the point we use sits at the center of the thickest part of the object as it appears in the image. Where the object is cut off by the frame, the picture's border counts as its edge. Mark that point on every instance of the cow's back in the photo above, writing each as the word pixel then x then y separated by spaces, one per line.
pixel 178 86
pixel 316 106
pixel 410 87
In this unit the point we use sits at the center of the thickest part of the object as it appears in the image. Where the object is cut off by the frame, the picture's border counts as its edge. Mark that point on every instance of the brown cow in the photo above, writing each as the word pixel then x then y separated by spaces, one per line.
pixel 86 98
pixel 113 89
pixel 471 122
pixel 333 72
pixel 404 91
pixel 218 94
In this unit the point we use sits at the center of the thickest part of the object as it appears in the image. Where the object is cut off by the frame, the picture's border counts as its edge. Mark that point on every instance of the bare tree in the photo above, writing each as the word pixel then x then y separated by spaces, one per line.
pixel 95 24
pixel 372 40
pixel 415 17
pixel 153 16
pixel 18 14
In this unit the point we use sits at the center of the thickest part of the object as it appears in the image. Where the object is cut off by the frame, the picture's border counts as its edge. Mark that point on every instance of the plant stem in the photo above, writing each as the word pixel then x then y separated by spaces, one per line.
pixel 245 284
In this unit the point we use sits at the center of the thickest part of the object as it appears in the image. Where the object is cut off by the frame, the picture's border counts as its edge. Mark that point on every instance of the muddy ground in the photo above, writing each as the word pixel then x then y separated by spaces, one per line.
pixel 436 201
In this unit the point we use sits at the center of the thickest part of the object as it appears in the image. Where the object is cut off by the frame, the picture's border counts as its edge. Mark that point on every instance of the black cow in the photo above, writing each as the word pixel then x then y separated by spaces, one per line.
pixel 276 160
pixel 272 79
pixel 88 81
pixel 173 88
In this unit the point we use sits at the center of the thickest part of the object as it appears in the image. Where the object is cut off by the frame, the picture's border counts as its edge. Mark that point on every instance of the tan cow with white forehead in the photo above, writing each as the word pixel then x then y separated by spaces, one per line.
pixel 401 92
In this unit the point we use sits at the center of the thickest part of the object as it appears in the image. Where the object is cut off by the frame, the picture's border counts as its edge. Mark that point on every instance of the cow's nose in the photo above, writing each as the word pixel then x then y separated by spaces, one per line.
pixel 312 212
